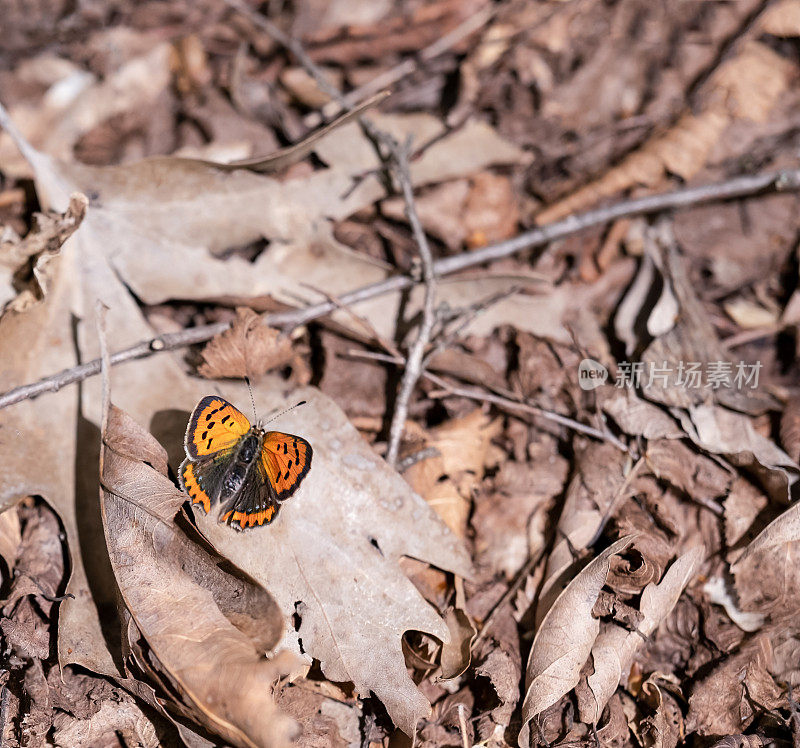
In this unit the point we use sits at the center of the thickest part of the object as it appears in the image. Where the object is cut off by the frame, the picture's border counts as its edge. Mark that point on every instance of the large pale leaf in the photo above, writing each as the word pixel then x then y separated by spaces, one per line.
pixel 331 557
pixel 565 639
pixel 615 648
pixel 165 216
pixel 196 618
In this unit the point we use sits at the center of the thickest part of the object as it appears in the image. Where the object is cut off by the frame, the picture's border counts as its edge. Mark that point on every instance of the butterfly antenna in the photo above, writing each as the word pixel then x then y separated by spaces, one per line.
pixel 252 399
pixel 278 415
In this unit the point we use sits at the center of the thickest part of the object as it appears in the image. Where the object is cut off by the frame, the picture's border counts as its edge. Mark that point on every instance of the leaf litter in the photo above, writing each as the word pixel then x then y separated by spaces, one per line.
pixel 644 570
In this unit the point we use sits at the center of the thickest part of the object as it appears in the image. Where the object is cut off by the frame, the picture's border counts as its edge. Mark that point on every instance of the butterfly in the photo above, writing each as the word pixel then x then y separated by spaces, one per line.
pixel 246 468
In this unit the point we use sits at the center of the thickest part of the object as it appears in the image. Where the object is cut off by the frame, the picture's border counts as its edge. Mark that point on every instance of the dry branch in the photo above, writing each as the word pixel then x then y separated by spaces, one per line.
pixel 773 181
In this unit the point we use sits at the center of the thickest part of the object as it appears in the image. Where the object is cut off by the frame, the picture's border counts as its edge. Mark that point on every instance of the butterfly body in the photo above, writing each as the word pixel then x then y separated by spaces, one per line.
pixel 246 469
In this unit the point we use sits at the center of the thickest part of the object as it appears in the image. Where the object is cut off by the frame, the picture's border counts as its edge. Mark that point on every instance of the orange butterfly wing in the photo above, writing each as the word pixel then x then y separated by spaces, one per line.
pixel 215 425
pixel 286 459
pixel 191 485
pixel 250 520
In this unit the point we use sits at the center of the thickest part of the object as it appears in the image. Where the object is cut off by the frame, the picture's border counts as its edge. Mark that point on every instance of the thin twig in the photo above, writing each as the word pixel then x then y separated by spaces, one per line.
pixel 414 365
pixel 504 403
pixel 474 393
pixel 612 505
pixel 389 77
pixel 522 575
pixel 415 457
pixel 774 181
pixel 399 159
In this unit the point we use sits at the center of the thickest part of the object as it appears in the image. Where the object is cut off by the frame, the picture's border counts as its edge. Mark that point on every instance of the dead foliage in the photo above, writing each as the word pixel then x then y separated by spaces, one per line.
pixel 590 536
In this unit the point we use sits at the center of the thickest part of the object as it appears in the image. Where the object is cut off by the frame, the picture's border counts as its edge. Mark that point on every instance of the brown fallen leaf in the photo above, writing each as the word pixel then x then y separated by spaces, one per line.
pixel 440 209
pixel 664 728
pixel 113 721
pixel 614 649
pixel 180 599
pixel 726 700
pixel 564 640
pixel 510 519
pixel 446 479
pixel 331 558
pixel 326 720
pixel 248 348
pixel 790 428
pixel 742 505
pixel 79 101
pixel 490 213
pixel 10 539
pixel 694 474
pixel 27 265
pixel 502 666
pixel 748 85
pixel 599 477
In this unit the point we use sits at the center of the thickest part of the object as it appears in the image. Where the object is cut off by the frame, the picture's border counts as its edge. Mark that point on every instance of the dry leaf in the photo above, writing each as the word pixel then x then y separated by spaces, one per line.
pixel 248 348
pixel 446 479
pixel 615 648
pixel 747 85
pixel 331 559
pixel 599 476
pixel 639 417
pixel 564 640
pixel 440 210
pixel 782 19
pixel 726 699
pixel 790 428
pixel 179 598
pixel 20 286
pixel 77 101
pixel 113 722
pixel 722 431
pixel 10 538
pixel 749 315
pixel 491 213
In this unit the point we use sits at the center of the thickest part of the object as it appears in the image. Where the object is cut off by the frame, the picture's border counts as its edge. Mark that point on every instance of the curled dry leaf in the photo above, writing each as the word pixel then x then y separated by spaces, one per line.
pixel 248 348
pixel 26 266
pixel 180 600
pixel 664 728
pixel 456 653
pixel 564 640
pixel 615 647
pixel 330 558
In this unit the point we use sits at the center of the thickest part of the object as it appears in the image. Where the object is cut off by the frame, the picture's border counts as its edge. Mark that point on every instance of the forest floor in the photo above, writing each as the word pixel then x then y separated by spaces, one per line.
pixel 549 283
